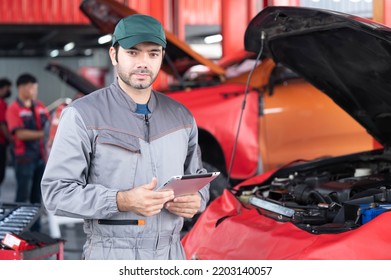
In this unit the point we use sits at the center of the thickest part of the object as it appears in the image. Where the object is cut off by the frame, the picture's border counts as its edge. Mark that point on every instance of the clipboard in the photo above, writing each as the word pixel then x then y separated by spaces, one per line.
pixel 188 184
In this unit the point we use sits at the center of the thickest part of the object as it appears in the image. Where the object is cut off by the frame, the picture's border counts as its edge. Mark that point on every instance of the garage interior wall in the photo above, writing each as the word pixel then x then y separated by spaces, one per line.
pixel 50 87
pixel 44 12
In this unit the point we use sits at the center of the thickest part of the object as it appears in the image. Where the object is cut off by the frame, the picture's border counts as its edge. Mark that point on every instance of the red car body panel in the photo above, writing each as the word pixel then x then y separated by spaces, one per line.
pixel 217 110
pixel 245 234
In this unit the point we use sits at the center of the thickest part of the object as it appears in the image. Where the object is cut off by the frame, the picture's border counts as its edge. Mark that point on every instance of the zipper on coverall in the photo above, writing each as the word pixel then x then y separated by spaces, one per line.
pixel 146 119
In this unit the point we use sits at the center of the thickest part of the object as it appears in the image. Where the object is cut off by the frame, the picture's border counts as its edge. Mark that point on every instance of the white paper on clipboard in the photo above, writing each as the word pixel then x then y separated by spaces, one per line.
pixel 187 184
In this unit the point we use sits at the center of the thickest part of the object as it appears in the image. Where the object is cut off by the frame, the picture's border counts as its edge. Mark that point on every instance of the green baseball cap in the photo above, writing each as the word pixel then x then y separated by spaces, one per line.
pixel 136 29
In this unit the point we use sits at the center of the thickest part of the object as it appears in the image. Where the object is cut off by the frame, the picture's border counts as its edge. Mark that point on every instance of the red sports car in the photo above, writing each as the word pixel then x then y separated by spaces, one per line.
pixel 330 208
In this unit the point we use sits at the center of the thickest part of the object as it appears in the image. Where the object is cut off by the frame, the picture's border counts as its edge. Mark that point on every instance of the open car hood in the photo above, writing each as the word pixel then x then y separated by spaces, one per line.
pixel 347 57
pixel 72 78
pixel 105 14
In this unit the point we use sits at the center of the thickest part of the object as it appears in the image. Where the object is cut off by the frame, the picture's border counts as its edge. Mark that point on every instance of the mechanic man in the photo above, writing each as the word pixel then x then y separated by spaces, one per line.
pixel 116 145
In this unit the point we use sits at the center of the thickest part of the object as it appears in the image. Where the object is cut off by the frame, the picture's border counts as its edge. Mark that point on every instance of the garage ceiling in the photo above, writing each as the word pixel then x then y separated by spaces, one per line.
pixel 41 40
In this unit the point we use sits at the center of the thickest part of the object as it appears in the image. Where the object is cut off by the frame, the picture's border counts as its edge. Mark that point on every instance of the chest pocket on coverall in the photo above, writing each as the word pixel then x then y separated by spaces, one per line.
pixel 116 158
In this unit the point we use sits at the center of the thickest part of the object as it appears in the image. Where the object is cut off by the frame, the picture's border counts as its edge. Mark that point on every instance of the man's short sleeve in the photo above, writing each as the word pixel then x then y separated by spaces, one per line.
pixel 13 119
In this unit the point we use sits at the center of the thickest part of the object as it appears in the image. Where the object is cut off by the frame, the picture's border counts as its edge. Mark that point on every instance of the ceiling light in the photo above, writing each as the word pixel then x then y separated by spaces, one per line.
pixel 213 39
pixel 69 46
pixel 105 39
pixel 54 53
pixel 87 52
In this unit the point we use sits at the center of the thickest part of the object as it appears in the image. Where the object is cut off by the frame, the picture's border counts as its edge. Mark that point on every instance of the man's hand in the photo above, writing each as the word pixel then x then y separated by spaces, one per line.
pixel 143 200
pixel 185 206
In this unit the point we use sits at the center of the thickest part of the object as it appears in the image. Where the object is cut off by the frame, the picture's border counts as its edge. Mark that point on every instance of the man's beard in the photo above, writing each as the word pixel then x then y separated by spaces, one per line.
pixel 127 78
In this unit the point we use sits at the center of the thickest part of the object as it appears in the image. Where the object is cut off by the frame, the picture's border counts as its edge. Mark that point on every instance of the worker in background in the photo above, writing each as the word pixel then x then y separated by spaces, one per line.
pixel 26 117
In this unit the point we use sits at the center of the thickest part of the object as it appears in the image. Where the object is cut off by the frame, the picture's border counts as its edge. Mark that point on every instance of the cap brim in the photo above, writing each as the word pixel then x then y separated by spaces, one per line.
pixel 131 41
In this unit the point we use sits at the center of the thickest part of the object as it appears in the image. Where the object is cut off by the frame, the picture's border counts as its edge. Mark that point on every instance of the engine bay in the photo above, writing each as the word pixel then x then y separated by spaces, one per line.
pixel 326 197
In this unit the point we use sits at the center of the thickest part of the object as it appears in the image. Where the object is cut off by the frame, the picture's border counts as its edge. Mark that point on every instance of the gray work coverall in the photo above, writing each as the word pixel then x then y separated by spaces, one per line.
pixel 101 147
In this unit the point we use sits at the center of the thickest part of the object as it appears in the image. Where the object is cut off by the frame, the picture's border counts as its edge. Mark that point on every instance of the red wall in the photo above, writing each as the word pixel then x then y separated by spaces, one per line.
pixel 41 12
pixel 188 11
pixel 192 12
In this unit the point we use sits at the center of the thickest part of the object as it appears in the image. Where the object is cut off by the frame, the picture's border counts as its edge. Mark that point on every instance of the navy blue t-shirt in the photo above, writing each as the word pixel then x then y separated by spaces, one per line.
pixel 142 109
